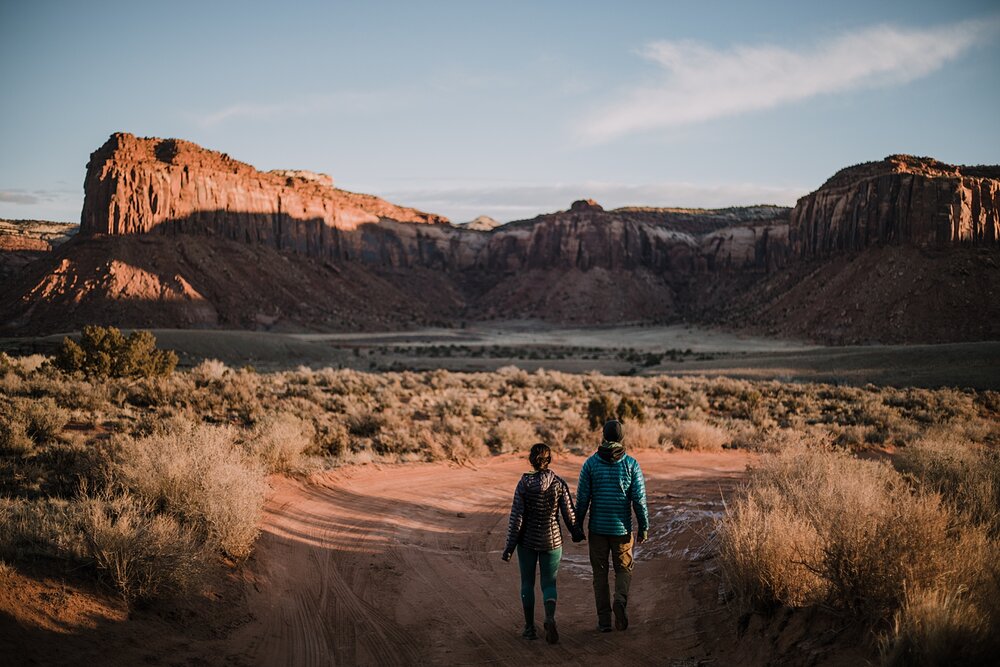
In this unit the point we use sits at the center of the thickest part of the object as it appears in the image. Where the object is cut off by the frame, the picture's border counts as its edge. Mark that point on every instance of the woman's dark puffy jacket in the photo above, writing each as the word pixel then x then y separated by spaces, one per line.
pixel 538 499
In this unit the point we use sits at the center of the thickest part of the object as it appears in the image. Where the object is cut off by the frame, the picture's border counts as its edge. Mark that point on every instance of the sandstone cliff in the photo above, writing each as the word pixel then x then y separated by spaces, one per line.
pixel 136 185
pixel 901 200
pixel 176 235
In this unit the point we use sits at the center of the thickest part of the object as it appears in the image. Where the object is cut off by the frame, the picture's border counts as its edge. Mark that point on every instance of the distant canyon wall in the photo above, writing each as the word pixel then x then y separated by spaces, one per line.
pixel 147 185
pixel 901 200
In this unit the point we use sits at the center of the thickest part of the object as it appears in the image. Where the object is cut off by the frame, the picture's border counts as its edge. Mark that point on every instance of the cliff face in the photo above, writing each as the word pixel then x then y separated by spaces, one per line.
pixel 137 185
pixel 676 242
pixel 901 200
pixel 175 235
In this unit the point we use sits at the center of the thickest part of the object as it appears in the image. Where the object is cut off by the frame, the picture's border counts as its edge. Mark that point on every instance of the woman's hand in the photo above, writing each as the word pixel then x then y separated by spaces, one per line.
pixel 506 556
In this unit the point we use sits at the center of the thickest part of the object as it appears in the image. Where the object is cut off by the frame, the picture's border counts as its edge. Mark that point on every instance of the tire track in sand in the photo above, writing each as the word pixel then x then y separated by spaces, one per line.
pixel 401 565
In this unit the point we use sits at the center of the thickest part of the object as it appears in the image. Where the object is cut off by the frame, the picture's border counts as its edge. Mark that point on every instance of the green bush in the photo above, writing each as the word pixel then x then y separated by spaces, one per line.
pixel 630 409
pixel 599 410
pixel 106 352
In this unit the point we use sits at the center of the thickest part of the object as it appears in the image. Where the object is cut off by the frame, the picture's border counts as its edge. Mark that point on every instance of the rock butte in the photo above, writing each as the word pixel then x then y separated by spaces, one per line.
pixel 899 200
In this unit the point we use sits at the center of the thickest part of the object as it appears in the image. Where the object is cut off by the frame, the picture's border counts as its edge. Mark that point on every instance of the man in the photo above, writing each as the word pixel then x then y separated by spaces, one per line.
pixel 611 487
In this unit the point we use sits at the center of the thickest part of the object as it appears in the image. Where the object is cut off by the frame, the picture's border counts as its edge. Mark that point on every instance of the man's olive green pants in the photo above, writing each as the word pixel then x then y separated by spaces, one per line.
pixel 619 548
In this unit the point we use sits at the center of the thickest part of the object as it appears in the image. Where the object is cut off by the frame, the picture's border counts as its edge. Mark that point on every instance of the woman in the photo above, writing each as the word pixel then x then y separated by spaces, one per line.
pixel 534 531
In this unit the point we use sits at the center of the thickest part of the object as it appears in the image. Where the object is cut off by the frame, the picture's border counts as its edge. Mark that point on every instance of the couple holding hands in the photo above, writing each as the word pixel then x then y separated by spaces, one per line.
pixel 611 487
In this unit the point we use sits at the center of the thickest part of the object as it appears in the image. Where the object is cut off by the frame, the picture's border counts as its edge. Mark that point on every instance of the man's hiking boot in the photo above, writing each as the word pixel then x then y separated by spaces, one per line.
pixel 530 632
pixel 551 633
pixel 621 618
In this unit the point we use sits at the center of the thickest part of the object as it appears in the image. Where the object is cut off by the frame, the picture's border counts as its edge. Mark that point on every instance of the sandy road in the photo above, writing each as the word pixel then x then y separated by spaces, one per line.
pixel 401 565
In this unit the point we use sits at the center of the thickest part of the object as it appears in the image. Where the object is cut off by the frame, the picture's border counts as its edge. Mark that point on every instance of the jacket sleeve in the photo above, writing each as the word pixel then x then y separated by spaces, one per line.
pixel 583 494
pixel 516 522
pixel 566 506
pixel 637 494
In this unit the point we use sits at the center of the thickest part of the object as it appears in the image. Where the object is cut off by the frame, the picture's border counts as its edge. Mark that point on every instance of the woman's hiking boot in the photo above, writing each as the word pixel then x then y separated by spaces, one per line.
pixel 529 623
pixel 551 633
pixel 621 618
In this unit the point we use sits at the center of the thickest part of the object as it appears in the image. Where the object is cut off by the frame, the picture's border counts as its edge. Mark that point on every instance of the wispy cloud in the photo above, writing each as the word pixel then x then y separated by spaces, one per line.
pixel 461 202
pixel 334 103
pixel 701 83
pixel 17 197
pixel 31 197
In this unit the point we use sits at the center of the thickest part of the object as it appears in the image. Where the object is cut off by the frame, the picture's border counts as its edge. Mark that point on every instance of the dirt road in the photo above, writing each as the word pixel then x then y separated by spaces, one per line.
pixel 401 565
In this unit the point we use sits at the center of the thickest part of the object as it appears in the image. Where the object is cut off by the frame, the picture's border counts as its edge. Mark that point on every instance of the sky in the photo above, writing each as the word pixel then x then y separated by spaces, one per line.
pixel 506 109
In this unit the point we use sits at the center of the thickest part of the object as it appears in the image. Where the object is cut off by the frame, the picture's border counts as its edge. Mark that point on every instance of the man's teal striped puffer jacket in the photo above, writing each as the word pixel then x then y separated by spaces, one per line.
pixel 612 486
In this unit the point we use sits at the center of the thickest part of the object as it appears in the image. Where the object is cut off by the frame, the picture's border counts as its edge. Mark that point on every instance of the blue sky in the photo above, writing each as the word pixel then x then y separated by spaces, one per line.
pixel 503 109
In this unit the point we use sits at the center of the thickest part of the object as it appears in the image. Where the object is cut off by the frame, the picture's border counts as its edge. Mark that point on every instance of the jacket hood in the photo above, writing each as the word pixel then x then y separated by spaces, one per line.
pixel 611 452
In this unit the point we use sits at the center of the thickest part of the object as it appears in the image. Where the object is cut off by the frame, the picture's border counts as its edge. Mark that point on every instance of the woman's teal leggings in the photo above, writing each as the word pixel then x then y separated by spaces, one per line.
pixel 548 564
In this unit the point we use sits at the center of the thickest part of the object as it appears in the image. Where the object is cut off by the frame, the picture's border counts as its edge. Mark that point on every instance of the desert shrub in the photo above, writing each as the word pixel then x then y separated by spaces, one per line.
pixel 40 527
pixel 141 553
pixel 198 473
pixel 822 527
pixel 646 435
pixel 942 627
pixel 768 551
pixel 280 441
pixel 25 423
pixel 511 435
pixel 630 410
pixel 599 410
pixel 45 420
pixel 208 371
pixel 6 363
pixel 698 435
pixel 364 423
pixel 106 352
pixel 569 431
pixel 967 475
pixel 14 438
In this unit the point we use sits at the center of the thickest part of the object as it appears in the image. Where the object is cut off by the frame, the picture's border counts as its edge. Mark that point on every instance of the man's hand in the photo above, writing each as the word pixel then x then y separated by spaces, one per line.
pixel 578 535
pixel 506 556
pixel 642 536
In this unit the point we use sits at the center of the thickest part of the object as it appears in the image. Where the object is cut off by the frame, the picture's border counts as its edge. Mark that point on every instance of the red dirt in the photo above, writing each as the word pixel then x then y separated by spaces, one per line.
pixel 401 565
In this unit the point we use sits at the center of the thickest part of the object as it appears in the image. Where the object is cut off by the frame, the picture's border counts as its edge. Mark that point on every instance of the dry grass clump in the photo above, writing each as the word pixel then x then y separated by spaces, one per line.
pixel 143 554
pixel 199 474
pixel 822 527
pixel 646 434
pixel 25 423
pixel 941 626
pixel 966 474
pixel 699 436
pixel 280 442
pixel 511 435
pixel 140 553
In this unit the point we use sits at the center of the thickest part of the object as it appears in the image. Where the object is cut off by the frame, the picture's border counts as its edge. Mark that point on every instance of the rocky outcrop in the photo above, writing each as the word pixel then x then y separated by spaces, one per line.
pixel 24 241
pixel 676 242
pixel 901 200
pixel 482 223
pixel 138 185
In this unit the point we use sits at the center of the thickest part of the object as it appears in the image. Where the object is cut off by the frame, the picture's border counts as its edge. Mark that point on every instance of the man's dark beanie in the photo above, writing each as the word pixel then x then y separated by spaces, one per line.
pixel 613 431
